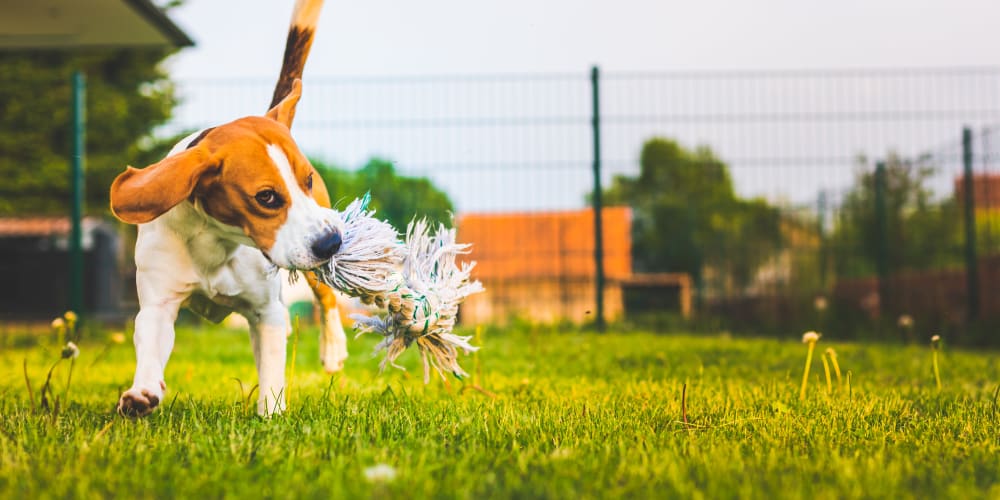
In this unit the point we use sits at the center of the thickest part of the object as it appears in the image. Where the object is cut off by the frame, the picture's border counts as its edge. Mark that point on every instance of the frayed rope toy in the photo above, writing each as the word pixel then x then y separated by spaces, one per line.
pixel 417 282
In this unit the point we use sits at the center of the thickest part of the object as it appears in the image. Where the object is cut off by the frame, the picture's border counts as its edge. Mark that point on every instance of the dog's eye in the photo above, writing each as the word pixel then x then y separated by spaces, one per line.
pixel 268 198
pixel 309 182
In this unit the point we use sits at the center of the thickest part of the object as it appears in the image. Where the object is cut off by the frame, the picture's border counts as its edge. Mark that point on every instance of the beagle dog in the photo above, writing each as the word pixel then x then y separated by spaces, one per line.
pixel 216 217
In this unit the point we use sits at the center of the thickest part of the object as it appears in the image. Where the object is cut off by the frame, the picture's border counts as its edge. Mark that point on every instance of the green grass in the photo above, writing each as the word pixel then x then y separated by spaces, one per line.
pixel 575 415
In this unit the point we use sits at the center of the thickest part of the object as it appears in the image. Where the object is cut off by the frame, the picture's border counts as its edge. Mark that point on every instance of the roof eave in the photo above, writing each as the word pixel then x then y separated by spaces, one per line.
pixel 157 18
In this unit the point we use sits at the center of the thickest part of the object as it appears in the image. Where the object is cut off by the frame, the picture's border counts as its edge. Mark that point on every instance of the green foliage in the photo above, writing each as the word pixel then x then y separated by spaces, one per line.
pixel 396 198
pixel 987 231
pixel 574 416
pixel 923 233
pixel 688 218
pixel 128 95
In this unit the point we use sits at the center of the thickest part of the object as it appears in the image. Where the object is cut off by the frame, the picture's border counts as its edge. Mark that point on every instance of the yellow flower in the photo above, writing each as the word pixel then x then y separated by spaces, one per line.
pixel 70 316
pixel 118 338
pixel 58 323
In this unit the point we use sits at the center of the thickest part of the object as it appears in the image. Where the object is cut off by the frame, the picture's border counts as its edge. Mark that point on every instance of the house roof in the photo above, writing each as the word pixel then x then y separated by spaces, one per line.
pixel 35 227
pixel 75 24
pixel 547 245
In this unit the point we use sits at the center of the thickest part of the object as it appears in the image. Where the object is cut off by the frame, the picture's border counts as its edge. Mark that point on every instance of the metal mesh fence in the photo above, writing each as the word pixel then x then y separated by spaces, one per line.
pixel 804 143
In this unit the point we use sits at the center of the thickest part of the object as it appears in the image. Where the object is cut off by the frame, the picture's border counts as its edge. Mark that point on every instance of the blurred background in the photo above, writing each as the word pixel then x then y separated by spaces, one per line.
pixel 633 164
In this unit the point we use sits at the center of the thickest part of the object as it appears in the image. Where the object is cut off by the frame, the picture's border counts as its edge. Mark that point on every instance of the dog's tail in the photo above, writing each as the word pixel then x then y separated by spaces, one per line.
pixel 300 38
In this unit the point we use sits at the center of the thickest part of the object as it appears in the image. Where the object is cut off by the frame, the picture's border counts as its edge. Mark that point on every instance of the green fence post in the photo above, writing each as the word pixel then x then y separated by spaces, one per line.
pixel 821 206
pixel 969 205
pixel 77 189
pixel 882 236
pixel 595 77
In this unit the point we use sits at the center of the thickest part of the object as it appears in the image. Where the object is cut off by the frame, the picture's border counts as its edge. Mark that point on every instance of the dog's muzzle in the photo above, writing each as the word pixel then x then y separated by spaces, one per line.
pixel 325 246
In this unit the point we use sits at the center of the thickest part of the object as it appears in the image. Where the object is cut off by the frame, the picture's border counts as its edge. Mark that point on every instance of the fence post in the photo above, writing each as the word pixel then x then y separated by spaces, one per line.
pixel 969 205
pixel 79 131
pixel 821 206
pixel 595 78
pixel 882 236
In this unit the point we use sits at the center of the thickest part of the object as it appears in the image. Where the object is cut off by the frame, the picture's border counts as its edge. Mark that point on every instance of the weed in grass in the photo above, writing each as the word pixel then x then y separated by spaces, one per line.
pixel 826 370
pixel 595 417
pixel 59 325
pixel 296 326
pixel 905 324
pixel 935 345
pixel 996 401
pixel 809 338
pixel 116 338
pixel 836 366
pixel 27 382
pixel 70 352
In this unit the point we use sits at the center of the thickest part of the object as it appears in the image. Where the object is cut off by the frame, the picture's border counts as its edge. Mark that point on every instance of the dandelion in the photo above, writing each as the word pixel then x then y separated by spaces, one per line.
pixel 833 360
pixel 905 324
pixel 820 303
pixel 905 321
pixel 935 346
pixel 70 351
pixel 118 338
pixel 60 327
pixel 809 338
pixel 380 473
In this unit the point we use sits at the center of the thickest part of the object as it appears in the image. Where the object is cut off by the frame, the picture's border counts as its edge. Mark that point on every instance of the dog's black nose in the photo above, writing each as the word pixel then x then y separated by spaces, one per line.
pixel 325 246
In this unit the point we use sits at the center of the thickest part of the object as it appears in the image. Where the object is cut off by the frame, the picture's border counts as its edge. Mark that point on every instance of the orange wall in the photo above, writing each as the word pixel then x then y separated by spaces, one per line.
pixel 547 244
pixel 540 266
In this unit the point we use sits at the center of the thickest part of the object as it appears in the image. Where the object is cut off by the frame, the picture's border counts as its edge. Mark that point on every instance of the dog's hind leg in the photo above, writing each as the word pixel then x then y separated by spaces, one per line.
pixel 332 339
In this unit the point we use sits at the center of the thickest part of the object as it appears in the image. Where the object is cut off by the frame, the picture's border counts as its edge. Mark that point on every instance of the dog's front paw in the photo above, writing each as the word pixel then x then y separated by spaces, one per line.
pixel 138 402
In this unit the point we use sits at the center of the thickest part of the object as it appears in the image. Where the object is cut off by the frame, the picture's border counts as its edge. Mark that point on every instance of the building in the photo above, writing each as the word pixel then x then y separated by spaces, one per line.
pixel 985 190
pixel 540 266
pixel 35 263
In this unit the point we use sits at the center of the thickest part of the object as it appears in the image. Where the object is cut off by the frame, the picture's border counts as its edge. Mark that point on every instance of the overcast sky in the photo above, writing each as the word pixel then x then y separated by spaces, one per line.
pixel 392 37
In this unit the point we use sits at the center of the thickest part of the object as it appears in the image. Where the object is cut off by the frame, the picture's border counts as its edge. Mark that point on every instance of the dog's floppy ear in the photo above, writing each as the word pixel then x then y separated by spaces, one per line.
pixel 284 111
pixel 139 196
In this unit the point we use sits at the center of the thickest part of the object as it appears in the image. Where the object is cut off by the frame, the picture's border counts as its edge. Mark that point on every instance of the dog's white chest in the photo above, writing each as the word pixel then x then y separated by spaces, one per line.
pixel 181 252
pixel 216 264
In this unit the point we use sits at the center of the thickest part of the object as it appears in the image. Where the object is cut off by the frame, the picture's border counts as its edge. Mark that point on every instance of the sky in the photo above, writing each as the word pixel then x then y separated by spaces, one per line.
pixel 394 37
pixel 230 73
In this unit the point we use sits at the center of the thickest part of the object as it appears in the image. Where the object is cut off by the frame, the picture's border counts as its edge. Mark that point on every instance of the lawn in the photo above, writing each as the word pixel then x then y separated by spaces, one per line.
pixel 545 414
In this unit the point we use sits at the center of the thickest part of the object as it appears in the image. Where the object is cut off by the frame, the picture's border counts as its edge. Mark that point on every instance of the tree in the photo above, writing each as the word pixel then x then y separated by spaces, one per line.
pixel 128 95
pixel 396 198
pixel 687 217
pixel 922 233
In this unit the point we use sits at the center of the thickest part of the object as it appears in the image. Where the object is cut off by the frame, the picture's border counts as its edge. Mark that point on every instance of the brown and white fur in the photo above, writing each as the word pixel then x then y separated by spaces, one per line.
pixel 215 217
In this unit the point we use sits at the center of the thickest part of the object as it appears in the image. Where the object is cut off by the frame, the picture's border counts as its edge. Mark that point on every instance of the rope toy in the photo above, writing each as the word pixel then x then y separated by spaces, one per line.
pixel 417 282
